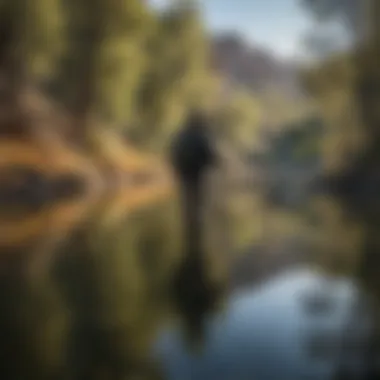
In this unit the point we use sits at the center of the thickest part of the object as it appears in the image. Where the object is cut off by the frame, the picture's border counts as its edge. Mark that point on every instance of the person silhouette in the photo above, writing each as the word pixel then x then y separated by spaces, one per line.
pixel 192 154
pixel 191 151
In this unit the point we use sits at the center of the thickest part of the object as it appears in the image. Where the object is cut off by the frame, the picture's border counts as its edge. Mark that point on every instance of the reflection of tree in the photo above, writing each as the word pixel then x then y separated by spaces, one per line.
pixel 111 276
pixel 33 323
pixel 34 318
pixel 114 278
pixel 93 312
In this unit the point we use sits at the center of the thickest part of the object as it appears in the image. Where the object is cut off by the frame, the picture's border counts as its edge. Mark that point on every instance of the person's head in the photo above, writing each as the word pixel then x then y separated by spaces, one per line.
pixel 196 120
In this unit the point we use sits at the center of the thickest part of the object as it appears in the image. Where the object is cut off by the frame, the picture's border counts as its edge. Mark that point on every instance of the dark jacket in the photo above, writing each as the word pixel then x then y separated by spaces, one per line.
pixel 191 150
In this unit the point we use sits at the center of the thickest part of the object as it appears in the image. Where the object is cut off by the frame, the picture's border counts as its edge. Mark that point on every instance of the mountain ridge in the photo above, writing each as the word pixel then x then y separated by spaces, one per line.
pixel 242 63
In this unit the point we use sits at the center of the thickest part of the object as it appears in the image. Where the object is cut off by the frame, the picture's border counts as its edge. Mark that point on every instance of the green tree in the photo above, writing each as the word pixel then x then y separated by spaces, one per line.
pixel 178 57
pixel 239 120
pixel 31 41
pixel 349 12
pixel 32 36
pixel 104 60
pixel 357 94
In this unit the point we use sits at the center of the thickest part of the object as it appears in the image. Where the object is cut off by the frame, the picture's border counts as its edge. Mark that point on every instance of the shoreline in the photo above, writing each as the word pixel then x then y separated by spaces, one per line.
pixel 32 175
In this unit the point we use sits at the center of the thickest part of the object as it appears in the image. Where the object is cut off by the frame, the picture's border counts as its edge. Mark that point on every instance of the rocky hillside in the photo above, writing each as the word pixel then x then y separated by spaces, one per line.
pixel 245 64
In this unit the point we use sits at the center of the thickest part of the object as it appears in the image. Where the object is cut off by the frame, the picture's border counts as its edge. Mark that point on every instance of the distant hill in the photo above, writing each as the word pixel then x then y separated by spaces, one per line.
pixel 245 64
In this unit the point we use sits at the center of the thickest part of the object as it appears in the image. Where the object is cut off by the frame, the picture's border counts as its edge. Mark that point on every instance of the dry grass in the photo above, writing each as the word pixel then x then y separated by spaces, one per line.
pixel 45 137
pixel 59 218
pixel 129 200
pixel 109 149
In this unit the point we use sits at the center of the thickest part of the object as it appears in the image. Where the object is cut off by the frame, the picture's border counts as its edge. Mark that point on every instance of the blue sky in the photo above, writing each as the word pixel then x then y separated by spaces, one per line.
pixel 276 24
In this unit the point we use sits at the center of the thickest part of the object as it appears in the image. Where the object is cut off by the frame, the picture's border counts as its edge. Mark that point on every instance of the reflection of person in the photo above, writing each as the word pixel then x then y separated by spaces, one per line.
pixel 196 297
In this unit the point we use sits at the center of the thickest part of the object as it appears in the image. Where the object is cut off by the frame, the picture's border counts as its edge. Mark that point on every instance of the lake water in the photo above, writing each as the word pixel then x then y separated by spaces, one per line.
pixel 103 291
pixel 270 333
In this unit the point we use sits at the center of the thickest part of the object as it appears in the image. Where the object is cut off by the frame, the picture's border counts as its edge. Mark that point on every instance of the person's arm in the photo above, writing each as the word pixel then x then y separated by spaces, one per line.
pixel 210 155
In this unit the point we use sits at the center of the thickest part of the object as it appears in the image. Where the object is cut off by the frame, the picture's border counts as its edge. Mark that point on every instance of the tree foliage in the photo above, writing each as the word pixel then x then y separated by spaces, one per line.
pixel 238 120
pixel 178 65
pixel 122 65
pixel 104 58
pixel 32 35
pixel 347 9
pixel 350 104
pixel 339 24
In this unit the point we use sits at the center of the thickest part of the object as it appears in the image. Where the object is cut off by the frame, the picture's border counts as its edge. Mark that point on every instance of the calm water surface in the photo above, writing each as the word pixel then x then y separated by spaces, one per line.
pixel 103 291
pixel 268 333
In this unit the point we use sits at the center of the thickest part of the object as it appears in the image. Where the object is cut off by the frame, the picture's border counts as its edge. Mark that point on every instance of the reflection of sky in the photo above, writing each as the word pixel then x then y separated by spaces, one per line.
pixel 262 335
pixel 277 24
